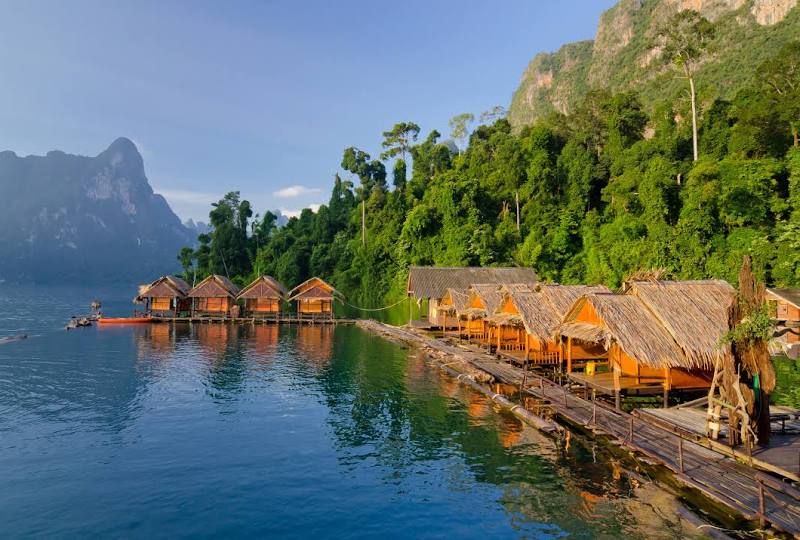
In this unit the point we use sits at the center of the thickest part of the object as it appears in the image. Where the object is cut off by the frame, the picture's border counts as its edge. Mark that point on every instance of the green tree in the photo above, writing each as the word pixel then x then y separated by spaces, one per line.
pixel 459 127
pixel 685 39
pixel 780 76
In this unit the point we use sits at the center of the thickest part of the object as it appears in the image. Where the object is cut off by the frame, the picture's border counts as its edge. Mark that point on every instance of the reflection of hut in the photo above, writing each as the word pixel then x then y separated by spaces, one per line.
pixel 526 319
pixel 431 283
pixel 262 298
pixel 264 337
pixel 659 335
pixel 315 342
pixel 165 297
pixel 784 307
pixel 314 298
pixel 213 297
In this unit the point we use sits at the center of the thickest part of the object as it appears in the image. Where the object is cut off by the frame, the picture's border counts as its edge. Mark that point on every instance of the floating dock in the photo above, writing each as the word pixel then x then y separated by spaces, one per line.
pixel 753 494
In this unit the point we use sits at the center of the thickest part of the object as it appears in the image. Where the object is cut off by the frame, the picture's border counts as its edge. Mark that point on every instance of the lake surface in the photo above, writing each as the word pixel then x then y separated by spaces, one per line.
pixel 226 431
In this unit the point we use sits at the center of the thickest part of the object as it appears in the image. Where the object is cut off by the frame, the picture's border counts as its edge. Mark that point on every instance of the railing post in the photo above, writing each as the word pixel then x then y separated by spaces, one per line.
pixel 761 506
pixel 566 403
pixel 680 453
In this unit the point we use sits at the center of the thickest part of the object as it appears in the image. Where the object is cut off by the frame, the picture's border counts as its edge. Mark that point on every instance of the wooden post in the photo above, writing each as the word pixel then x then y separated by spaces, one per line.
pixel 617 386
pixel 680 453
pixel 666 387
pixel 630 429
pixel 410 312
pixel 499 331
pixel 761 505
pixel 527 346
pixel 569 355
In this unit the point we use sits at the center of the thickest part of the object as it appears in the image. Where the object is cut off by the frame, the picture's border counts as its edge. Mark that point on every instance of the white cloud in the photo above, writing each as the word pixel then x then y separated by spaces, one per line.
pixel 296 213
pixel 295 191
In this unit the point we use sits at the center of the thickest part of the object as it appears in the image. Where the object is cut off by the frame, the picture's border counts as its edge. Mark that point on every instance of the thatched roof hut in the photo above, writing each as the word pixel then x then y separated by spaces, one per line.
pixel 542 309
pixel 264 287
pixel 484 299
pixel 433 282
pixel 314 288
pixel 455 302
pixel 214 286
pixel 624 321
pixel 164 287
pixel 695 313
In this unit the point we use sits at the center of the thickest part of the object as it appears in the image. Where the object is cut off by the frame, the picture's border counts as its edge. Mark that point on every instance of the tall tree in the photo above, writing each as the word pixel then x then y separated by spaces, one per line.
pixel 492 115
pixel 459 127
pixel 685 39
pixel 399 139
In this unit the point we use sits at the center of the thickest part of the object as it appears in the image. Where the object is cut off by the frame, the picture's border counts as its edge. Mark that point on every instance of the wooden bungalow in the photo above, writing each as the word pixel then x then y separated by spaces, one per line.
pixel 452 310
pixel 314 298
pixel 657 336
pixel 427 283
pixel 785 309
pixel 262 298
pixel 526 319
pixel 165 297
pixel 484 300
pixel 214 297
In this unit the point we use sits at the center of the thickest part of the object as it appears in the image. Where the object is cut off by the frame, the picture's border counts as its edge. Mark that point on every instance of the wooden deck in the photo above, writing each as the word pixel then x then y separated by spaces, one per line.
pixel 781 456
pixel 719 477
pixel 287 319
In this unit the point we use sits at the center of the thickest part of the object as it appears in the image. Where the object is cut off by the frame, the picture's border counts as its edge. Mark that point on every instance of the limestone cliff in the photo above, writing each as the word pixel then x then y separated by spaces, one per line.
pixel 621 57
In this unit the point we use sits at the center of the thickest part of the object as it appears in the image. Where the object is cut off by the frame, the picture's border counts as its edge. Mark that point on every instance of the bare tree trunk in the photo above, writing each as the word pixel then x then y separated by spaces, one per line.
pixel 363 223
pixel 694 116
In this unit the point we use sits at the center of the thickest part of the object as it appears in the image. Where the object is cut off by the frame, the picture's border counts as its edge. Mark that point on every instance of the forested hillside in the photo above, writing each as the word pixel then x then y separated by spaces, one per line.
pixel 605 191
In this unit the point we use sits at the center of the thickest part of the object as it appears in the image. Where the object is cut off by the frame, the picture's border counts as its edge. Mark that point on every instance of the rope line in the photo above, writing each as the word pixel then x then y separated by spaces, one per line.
pixel 375 309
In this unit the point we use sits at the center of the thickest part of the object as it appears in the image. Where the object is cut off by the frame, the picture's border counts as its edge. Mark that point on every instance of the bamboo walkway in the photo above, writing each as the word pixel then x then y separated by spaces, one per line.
pixel 754 495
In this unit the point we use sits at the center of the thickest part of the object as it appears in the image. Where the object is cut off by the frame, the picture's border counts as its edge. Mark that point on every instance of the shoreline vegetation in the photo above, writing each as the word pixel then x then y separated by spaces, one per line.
pixel 588 197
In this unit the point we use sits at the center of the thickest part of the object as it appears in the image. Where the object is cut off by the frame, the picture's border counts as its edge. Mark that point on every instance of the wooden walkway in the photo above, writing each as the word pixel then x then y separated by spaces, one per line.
pixel 751 493
pixel 288 319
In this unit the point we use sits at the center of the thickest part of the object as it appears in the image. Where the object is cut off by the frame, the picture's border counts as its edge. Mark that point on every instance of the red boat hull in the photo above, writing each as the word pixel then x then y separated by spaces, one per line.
pixel 123 320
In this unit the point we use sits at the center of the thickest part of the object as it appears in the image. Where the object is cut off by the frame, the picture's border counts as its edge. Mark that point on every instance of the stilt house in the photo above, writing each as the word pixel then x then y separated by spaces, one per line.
pixel 262 298
pixel 165 297
pixel 314 298
pixel 213 297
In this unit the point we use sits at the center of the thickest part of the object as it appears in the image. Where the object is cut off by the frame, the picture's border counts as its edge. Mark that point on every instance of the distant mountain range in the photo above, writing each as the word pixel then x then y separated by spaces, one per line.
pixel 72 218
pixel 623 56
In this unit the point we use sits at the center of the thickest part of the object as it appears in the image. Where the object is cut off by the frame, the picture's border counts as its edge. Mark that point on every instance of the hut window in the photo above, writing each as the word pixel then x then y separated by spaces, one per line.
pixel 161 304
pixel 266 304
pixel 212 304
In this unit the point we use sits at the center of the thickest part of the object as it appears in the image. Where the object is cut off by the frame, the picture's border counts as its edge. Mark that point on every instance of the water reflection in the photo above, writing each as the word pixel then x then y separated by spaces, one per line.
pixel 262 428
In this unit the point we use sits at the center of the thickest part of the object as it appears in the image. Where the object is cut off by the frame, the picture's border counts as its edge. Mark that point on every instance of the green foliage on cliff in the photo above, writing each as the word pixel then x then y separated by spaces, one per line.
pixel 623 57
pixel 605 191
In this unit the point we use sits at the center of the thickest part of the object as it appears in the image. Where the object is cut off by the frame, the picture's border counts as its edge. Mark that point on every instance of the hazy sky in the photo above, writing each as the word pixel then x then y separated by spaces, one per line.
pixel 261 96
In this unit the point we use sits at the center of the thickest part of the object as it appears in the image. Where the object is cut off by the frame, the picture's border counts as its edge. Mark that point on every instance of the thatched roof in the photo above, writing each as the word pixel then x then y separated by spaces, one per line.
pixel 791 296
pixel 264 287
pixel 489 294
pixel 695 313
pixel 164 287
pixel 314 288
pixel 541 311
pixel 214 286
pixel 455 301
pixel 562 297
pixel 433 282
pixel 626 321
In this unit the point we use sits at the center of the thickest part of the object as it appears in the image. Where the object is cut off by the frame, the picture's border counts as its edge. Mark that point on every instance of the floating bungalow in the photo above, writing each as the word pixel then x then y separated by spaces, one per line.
pixel 484 300
pixel 526 319
pixel 214 297
pixel 314 299
pixel 427 283
pixel 785 309
pixel 452 309
pixel 262 298
pixel 658 336
pixel 165 297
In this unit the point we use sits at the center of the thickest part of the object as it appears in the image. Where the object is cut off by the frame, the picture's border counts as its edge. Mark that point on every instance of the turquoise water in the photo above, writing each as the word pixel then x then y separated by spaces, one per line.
pixel 166 431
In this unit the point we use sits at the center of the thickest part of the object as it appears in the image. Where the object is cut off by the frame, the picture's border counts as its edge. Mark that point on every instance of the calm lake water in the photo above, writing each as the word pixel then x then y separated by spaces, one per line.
pixel 297 432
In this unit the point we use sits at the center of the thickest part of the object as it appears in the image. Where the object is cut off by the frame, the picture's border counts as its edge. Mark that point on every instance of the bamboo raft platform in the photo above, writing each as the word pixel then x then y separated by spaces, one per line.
pixel 720 477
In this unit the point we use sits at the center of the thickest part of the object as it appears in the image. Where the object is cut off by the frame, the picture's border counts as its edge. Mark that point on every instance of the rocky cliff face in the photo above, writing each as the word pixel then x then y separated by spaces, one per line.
pixel 95 219
pixel 621 57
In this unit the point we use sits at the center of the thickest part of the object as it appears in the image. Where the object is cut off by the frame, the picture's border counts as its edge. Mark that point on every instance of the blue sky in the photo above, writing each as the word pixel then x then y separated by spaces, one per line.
pixel 261 96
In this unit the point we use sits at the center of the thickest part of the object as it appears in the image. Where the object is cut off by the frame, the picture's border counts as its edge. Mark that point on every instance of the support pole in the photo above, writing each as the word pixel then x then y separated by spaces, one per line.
pixel 569 355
